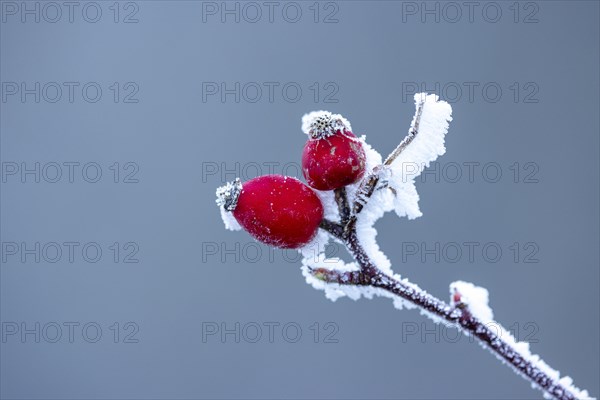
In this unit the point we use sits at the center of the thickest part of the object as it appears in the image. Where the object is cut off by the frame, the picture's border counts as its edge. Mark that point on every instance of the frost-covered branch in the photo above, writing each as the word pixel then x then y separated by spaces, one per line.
pixel 370 183
pixel 412 133
pixel 459 314
pixel 344 204
pixel 372 275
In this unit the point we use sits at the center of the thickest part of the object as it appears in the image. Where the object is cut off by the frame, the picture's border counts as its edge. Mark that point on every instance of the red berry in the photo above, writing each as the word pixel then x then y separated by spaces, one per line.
pixel 277 210
pixel 333 157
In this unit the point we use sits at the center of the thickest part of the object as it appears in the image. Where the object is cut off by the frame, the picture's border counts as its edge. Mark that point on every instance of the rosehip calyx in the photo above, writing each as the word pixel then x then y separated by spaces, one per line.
pixel 277 210
pixel 228 195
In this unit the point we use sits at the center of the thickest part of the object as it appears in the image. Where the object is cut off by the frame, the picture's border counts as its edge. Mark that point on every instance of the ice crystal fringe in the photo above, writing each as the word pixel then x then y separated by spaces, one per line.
pixel 321 124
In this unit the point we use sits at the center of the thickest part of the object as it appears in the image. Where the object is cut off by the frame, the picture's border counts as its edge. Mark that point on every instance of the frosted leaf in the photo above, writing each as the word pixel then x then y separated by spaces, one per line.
pixel 425 148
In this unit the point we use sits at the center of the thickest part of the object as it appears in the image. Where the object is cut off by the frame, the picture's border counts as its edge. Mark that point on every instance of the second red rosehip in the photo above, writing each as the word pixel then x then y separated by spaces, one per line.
pixel 277 210
pixel 333 157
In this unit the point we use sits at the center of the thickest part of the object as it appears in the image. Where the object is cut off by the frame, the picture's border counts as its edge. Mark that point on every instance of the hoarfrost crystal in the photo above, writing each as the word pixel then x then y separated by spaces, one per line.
pixel 321 124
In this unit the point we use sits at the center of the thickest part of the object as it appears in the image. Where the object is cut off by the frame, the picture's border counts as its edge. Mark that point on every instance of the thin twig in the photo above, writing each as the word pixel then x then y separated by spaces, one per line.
pixel 342 201
pixel 370 275
pixel 466 322
pixel 333 228
pixel 370 182
pixel 412 133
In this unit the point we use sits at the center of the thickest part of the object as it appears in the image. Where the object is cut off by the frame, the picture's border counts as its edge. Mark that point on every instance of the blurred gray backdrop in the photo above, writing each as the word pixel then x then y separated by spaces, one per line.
pixel 119 120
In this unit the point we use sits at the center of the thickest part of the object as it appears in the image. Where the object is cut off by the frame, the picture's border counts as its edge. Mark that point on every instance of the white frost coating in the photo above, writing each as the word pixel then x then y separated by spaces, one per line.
pixel 372 160
pixel 314 251
pixel 332 291
pixel 475 298
pixel 536 361
pixel 330 208
pixel 427 145
pixel 381 202
pixel 229 220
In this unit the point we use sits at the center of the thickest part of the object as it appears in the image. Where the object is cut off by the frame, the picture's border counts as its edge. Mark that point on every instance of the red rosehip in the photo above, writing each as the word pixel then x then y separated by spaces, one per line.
pixel 277 210
pixel 333 157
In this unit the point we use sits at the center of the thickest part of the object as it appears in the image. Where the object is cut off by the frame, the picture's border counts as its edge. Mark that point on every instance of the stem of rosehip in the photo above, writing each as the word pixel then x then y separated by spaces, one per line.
pixel 334 229
pixel 459 316
pixel 409 138
pixel 341 199
pixel 369 184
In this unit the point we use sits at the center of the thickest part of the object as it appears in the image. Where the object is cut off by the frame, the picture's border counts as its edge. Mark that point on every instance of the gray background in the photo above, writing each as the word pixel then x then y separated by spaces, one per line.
pixel 176 138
